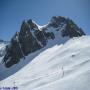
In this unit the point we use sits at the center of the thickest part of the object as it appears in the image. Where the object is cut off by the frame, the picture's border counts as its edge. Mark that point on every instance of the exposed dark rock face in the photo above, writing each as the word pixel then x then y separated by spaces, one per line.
pixel 30 38
pixel 72 30
pixel 56 21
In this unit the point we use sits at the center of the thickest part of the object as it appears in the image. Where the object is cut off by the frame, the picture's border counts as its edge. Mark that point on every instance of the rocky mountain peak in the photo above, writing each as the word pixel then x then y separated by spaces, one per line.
pixel 31 38
pixel 32 24
pixel 56 21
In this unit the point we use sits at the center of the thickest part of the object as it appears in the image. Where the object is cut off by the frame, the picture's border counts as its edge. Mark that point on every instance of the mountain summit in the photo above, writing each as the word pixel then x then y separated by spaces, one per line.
pixel 33 37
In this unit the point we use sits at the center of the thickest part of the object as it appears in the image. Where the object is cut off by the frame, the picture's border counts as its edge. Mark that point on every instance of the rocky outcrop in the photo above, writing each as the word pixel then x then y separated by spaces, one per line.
pixel 56 21
pixel 72 30
pixel 32 38
pixel 28 40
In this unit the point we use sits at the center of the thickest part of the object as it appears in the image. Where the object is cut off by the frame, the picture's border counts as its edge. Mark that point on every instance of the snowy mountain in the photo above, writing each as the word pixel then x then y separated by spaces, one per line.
pixel 50 57
pixel 3 45
pixel 33 37
pixel 60 67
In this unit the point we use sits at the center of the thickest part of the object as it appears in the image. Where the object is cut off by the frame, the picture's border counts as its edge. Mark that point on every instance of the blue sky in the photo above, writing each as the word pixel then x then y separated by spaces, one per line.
pixel 13 12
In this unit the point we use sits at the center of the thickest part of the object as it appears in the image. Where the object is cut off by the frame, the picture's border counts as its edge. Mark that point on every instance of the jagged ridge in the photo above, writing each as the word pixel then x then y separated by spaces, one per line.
pixel 31 37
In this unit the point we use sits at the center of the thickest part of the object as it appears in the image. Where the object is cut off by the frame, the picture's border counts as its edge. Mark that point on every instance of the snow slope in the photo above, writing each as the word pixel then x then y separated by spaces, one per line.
pixel 2 50
pixel 60 67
